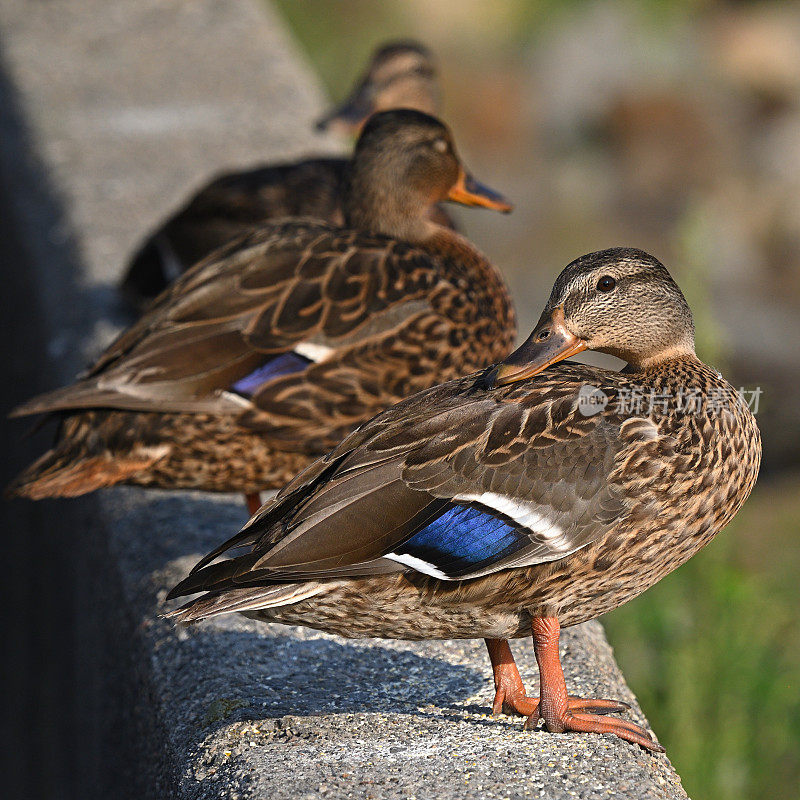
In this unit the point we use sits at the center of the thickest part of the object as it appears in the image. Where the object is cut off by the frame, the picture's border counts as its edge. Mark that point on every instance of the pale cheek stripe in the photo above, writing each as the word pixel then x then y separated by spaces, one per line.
pixel 418 564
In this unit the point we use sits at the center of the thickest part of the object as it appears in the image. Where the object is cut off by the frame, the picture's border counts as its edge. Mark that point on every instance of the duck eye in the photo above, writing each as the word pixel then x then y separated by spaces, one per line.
pixel 440 146
pixel 606 284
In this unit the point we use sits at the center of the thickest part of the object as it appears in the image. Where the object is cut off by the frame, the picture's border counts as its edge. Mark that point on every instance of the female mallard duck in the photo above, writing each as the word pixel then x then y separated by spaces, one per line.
pixel 401 75
pixel 530 496
pixel 263 356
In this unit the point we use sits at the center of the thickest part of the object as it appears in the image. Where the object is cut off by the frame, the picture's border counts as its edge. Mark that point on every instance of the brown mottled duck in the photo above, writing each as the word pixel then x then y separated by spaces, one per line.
pixel 264 355
pixel 528 497
pixel 401 74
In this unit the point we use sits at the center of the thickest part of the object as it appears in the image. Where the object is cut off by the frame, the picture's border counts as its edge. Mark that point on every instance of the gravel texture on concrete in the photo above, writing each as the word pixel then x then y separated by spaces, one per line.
pixel 114 111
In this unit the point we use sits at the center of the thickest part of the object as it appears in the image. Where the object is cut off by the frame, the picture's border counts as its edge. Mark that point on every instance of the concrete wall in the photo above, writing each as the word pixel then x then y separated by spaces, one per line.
pixel 110 113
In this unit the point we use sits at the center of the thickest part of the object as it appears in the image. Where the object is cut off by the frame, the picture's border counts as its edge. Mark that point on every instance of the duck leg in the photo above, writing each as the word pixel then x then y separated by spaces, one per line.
pixel 253 501
pixel 563 713
pixel 510 697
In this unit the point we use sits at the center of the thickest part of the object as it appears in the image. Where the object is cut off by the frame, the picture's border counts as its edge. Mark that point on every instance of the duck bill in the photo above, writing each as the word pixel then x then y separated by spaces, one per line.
pixel 469 192
pixel 549 343
pixel 350 116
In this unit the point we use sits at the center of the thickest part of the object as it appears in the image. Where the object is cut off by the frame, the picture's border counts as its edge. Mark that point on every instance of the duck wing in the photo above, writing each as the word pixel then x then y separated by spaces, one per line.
pixel 454 482
pixel 274 303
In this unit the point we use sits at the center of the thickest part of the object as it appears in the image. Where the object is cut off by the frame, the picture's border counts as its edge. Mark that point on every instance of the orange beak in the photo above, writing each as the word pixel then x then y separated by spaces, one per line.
pixel 549 343
pixel 469 192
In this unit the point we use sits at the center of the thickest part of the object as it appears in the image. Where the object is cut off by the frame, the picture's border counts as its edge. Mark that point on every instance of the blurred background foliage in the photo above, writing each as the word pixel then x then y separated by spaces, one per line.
pixel 672 126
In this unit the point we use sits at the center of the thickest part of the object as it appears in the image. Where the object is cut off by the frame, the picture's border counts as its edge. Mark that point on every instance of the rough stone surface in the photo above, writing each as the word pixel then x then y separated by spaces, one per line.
pixel 113 111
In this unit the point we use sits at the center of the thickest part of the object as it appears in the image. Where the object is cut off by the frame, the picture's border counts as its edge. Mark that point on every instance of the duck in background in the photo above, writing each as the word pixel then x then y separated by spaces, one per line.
pixel 401 74
pixel 527 497
pixel 263 356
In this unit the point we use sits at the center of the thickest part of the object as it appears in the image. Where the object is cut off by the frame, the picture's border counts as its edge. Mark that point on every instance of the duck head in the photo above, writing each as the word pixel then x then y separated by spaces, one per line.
pixel 401 74
pixel 404 162
pixel 620 301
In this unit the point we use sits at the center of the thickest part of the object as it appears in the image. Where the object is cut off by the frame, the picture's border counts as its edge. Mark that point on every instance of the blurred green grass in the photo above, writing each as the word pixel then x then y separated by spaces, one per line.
pixel 713 654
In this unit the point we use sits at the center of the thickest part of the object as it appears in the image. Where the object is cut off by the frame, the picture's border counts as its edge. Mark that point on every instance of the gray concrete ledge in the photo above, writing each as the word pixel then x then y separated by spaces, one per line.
pixel 111 113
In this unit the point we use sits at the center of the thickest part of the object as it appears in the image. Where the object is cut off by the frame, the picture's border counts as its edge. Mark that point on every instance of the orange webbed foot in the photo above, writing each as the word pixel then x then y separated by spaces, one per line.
pixel 511 701
pixel 515 703
pixel 575 717
pixel 562 712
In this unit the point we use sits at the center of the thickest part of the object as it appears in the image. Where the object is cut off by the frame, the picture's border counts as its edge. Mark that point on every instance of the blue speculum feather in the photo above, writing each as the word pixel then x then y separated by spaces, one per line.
pixel 284 364
pixel 464 539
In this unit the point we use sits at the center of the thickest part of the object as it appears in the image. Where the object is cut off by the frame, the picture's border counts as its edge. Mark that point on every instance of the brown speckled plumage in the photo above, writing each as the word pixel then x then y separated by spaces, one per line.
pixel 378 316
pixel 502 503
pixel 673 493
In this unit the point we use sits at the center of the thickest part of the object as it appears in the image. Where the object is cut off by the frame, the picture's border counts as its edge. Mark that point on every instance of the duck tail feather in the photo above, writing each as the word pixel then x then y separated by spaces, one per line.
pixel 254 598
pixel 68 470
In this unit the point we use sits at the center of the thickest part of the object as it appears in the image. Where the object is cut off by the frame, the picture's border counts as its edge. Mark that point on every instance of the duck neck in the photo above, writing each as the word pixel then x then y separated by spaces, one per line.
pixel 381 206
pixel 404 216
pixel 665 361
pixel 390 222
pixel 466 266
pixel 681 370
